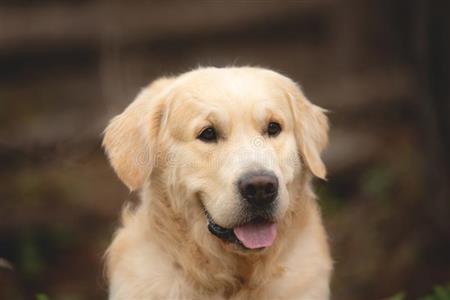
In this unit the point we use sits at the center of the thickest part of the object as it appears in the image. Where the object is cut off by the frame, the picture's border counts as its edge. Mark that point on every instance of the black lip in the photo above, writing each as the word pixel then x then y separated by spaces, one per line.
pixel 225 234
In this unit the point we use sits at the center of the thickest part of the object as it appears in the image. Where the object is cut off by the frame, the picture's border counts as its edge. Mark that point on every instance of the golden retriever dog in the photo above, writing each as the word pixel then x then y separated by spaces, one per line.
pixel 223 159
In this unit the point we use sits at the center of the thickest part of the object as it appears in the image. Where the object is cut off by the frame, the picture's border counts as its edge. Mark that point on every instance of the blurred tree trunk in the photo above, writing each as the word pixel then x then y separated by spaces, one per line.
pixel 433 65
pixel 430 52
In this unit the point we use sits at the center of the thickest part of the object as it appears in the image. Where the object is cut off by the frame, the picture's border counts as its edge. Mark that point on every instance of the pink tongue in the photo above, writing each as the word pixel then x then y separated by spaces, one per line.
pixel 255 236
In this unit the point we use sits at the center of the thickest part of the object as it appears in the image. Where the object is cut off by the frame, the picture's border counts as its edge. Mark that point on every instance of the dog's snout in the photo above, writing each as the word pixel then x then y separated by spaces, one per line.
pixel 259 189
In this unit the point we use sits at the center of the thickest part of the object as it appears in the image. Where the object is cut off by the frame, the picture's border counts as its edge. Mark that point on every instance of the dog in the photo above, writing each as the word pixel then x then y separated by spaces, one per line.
pixel 223 159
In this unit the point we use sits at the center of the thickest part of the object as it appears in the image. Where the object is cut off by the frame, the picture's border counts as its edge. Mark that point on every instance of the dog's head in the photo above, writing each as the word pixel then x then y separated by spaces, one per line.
pixel 225 145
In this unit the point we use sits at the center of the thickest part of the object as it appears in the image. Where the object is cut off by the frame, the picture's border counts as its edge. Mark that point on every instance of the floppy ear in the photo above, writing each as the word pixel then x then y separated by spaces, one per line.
pixel 311 127
pixel 130 138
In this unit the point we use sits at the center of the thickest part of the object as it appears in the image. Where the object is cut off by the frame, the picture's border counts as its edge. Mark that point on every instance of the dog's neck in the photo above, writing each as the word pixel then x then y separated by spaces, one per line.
pixel 210 264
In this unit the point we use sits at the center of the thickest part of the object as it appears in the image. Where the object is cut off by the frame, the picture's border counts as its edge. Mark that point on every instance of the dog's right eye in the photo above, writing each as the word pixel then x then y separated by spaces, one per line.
pixel 208 135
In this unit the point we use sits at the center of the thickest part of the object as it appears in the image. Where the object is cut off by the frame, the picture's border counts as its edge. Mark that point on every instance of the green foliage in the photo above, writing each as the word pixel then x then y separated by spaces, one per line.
pixel 378 182
pixel 399 296
pixel 42 297
pixel 31 262
pixel 331 203
pixel 439 293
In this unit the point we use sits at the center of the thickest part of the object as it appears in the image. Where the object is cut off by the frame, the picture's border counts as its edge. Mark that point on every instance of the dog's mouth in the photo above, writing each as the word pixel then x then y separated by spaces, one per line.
pixel 258 233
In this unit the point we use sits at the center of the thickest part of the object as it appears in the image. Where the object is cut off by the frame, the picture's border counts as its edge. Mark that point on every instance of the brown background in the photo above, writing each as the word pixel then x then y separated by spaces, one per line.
pixel 380 67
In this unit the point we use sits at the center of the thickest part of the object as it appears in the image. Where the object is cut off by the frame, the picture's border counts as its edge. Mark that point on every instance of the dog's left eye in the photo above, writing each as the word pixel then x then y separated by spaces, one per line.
pixel 273 129
pixel 208 135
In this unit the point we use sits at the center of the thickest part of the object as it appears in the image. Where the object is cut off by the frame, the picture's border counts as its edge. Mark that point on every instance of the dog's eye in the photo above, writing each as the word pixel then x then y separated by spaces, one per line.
pixel 208 135
pixel 273 129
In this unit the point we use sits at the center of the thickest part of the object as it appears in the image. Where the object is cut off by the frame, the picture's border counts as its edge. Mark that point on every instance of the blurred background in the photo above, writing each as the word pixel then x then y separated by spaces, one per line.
pixel 380 67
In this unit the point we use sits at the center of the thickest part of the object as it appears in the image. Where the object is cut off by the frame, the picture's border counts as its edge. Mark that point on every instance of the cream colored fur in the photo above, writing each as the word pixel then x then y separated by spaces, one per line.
pixel 163 249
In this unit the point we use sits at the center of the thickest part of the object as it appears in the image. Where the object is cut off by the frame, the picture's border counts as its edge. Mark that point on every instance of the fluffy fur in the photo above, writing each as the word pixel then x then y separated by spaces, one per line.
pixel 163 249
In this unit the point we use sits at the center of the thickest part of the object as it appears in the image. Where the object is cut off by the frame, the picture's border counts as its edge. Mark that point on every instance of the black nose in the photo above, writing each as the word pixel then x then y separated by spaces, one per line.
pixel 259 189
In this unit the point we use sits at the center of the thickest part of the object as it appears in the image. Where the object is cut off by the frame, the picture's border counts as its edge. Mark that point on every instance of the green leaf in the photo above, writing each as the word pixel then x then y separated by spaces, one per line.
pixel 42 297
pixel 399 296
pixel 439 293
